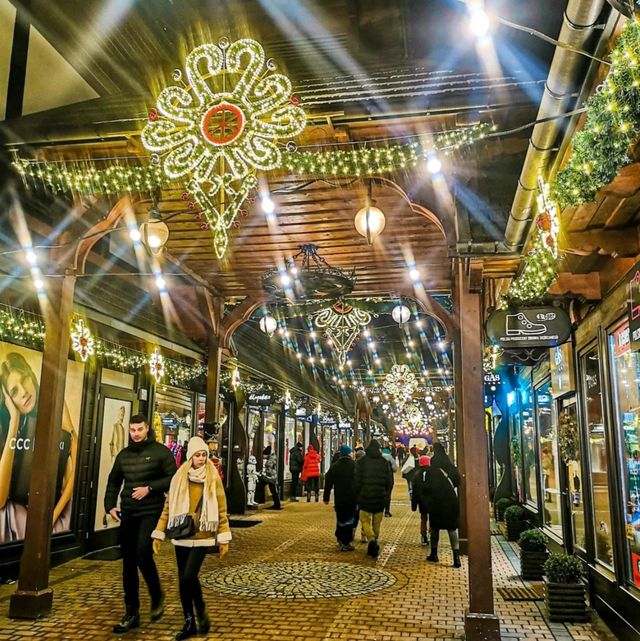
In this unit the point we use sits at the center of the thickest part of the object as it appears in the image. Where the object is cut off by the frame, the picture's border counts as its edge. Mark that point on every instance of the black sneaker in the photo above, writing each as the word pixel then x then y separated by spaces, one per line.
pixel 433 557
pixel 373 549
pixel 157 608
pixel 128 622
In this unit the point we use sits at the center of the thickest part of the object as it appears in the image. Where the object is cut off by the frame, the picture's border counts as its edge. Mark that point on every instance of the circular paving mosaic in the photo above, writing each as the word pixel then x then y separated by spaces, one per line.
pixel 297 580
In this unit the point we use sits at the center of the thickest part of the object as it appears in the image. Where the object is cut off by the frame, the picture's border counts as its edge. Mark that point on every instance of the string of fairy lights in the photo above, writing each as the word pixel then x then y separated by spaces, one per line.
pixel 28 329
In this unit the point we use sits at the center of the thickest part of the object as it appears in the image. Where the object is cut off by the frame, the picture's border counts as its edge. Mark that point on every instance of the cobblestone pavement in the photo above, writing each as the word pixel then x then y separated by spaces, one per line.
pixel 286 580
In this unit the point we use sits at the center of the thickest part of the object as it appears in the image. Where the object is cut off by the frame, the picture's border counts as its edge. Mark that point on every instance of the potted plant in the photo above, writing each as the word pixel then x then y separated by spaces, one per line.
pixel 514 517
pixel 564 593
pixel 533 554
pixel 501 505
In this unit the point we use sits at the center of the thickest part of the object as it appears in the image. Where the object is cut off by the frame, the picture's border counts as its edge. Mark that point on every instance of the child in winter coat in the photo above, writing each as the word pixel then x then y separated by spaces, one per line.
pixel 311 473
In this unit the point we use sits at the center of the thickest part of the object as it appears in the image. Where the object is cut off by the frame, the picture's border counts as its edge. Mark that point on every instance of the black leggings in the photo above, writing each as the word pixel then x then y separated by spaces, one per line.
pixel 189 563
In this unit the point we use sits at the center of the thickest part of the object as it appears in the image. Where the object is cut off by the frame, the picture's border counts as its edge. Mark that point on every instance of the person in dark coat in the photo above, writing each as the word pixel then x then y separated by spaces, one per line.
pixel 341 478
pixel 296 458
pixel 269 476
pixel 421 496
pixel 443 504
pixel 373 484
pixel 143 470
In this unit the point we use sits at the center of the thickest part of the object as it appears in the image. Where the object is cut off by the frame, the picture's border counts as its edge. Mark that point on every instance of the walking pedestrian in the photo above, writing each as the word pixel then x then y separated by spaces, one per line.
pixel 388 456
pixel 143 470
pixel 311 473
pixel 421 496
pixel 341 478
pixel 196 497
pixel 373 484
pixel 296 459
pixel 269 476
pixel 444 507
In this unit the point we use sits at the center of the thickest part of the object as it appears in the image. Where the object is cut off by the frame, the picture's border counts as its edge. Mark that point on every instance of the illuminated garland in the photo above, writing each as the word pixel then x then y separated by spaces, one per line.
pixel 541 264
pixel 601 148
pixel 369 161
pixel 72 177
pixel 27 329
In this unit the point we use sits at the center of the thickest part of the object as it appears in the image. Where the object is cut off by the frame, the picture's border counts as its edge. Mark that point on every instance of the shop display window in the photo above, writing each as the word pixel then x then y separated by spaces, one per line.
pixel 253 424
pixel 594 416
pixel 568 438
pixel 625 374
pixel 529 477
pixel 289 442
pixel 549 460
pixel 271 431
pixel 172 418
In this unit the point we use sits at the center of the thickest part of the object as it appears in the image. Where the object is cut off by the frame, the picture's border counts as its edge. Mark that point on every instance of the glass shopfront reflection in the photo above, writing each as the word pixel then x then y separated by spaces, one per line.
pixel 594 415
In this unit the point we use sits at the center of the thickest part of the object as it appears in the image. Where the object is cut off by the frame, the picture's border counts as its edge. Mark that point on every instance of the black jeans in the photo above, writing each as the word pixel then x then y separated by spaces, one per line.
pixel 345 524
pixel 189 562
pixel 137 552
pixel 295 480
pixel 274 492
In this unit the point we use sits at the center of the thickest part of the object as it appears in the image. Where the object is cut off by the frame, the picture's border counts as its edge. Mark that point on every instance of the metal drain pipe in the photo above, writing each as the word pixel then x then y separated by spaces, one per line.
pixel 578 25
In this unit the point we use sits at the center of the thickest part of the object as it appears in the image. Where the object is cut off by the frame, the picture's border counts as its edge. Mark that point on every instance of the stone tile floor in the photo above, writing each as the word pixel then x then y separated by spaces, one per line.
pixel 398 597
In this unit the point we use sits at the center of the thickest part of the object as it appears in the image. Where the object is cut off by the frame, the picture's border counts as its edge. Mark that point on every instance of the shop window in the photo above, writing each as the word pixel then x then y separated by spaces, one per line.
pixel 271 432
pixel 527 426
pixel 569 443
pixel 289 442
pixel 625 372
pixel 598 455
pixel 549 460
pixel 253 425
pixel 172 419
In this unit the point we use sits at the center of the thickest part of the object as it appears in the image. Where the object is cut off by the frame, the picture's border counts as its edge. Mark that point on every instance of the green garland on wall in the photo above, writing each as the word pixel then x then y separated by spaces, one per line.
pixel 27 329
pixel 601 148
pixel 84 178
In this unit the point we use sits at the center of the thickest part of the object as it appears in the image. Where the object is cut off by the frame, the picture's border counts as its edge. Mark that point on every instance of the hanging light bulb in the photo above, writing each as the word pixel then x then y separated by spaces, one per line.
pixel 268 324
pixel 154 233
pixel 369 221
pixel 401 314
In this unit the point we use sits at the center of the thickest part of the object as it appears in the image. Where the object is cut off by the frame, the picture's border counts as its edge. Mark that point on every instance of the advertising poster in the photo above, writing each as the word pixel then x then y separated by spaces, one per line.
pixel 20 371
pixel 115 425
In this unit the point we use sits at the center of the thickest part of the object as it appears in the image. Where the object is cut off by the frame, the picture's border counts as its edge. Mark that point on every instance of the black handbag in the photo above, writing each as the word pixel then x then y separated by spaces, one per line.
pixel 185 529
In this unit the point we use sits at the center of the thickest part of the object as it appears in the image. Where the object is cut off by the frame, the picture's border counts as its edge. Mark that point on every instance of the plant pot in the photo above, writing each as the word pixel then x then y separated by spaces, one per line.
pixel 515 529
pixel 565 601
pixel 531 564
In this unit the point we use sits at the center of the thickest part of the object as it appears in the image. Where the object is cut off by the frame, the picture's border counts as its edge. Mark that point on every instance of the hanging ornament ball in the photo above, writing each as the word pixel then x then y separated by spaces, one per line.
pixel 550 241
pixel 204 226
pixel 236 224
pixel 185 195
pixel 294 100
pixel 198 216
pixel 153 114
pixel 401 314
pixel 192 205
pixel 244 213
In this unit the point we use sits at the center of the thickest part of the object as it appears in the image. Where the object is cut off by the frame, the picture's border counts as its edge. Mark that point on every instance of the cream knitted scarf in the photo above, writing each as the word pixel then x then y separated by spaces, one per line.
pixel 179 495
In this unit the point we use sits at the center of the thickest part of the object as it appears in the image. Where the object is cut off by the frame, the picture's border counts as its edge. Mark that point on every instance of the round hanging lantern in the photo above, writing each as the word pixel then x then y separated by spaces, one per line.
pixel 369 222
pixel 268 324
pixel 154 233
pixel 401 314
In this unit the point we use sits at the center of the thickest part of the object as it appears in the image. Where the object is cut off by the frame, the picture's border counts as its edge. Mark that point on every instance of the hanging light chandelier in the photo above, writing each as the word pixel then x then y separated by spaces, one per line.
pixel 268 324
pixel 401 314
pixel 369 221
pixel 308 276
pixel 154 233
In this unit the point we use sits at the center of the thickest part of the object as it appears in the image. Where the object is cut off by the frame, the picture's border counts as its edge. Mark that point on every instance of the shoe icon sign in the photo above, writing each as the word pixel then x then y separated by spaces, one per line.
pixel 519 325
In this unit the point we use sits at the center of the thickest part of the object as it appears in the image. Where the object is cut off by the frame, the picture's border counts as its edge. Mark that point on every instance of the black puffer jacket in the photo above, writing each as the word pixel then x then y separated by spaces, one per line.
pixel 341 478
pixel 444 506
pixel 374 479
pixel 296 458
pixel 138 465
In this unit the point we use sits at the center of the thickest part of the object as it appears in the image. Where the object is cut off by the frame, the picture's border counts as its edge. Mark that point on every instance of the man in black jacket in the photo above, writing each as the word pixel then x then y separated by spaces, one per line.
pixel 145 467
pixel 296 459
pixel 374 480
pixel 341 478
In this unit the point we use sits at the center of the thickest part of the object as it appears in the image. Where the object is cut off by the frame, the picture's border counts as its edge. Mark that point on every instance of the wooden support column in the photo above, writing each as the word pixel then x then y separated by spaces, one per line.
pixel 367 427
pixel 34 597
pixel 214 365
pixel 356 426
pixel 481 624
pixel 459 436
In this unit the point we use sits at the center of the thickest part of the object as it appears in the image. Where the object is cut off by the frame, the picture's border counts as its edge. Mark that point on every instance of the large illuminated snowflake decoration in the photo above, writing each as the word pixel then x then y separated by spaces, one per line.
pixel 400 383
pixel 222 125
pixel 341 323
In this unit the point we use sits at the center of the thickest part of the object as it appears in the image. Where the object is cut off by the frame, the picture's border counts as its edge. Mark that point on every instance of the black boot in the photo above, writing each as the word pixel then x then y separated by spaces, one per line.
pixel 188 630
pixel 204 624
pixel 308 497
pixel 456 559
pixel 130 620
pixel 433 557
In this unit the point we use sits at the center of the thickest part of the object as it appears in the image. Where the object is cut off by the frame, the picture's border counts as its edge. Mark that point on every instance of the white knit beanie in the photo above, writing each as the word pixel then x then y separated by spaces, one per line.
pixel 196 444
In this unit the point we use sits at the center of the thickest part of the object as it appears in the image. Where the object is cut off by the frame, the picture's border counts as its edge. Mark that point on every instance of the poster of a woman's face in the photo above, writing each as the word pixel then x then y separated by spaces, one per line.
pixel 19 393
pixel 115 423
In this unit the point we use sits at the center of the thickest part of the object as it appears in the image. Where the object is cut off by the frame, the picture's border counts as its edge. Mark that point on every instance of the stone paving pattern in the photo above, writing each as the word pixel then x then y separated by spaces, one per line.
pixel 412 600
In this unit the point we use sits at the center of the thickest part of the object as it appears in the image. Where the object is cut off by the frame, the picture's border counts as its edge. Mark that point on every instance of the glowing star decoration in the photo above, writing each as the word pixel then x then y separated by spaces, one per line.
pixel 81 340
pixel 156 365
pixel 400 383
pixel 341 323
pixel 222 126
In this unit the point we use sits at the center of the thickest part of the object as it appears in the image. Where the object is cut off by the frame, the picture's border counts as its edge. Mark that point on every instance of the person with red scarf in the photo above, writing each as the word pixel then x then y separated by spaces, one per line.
pixel 311 473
